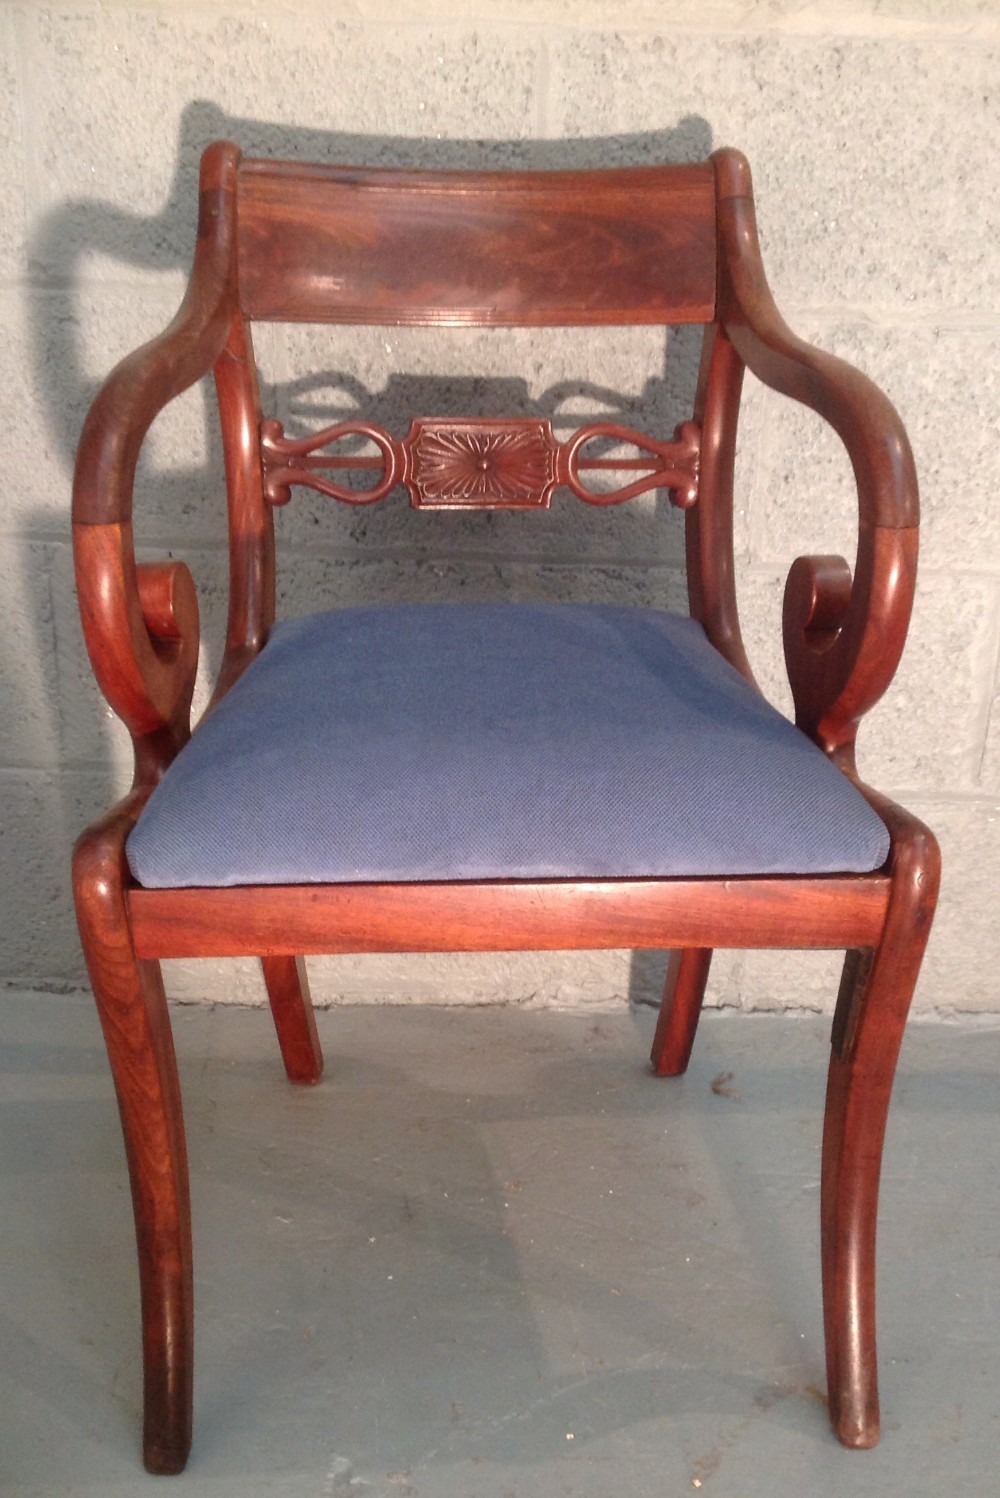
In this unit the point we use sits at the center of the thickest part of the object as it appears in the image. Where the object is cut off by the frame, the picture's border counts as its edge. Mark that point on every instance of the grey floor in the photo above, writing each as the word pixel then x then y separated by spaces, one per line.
pixel 493 1257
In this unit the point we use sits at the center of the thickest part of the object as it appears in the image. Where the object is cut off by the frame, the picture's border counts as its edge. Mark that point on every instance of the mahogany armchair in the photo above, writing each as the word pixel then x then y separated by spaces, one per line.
pixel 519 776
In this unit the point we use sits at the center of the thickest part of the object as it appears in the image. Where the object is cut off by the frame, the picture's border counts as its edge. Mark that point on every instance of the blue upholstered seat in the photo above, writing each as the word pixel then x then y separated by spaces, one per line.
pixel 471 741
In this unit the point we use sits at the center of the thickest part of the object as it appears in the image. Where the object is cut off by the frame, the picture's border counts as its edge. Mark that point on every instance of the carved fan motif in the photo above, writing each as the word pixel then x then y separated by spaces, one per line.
pixel 456 464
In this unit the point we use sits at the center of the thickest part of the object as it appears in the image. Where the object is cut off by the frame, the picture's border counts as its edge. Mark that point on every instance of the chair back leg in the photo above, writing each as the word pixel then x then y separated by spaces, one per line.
pixel 294 1020
pixel 136 1024
pixel 680 1009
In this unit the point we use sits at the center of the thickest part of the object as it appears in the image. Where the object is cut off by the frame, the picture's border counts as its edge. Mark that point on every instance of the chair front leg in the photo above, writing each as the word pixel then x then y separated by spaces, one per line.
pixel 133 1011
pixel 874 1000
pixel 294 1020
pixel 680 1009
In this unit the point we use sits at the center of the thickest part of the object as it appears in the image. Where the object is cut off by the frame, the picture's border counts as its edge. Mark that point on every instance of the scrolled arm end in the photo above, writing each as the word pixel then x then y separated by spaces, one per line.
pixel 817 597
pixel 140 624
pixel 169 602
pixel 816 604
pixel 844 635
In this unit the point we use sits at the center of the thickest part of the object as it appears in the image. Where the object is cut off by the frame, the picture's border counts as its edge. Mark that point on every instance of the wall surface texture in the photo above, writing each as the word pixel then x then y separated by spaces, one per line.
pixel 874 133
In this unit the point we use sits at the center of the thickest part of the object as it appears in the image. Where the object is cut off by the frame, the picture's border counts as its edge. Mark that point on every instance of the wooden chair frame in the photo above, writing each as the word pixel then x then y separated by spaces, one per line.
pixel 263 229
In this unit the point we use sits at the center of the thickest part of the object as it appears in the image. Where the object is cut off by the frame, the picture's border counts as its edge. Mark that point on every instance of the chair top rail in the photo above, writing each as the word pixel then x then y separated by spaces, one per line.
pixel 479 249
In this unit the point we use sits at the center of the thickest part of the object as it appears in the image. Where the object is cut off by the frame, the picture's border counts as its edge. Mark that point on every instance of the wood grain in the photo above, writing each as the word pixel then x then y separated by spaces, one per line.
pixel 831 911
pixel 136 1025
pixel 502 249
pixel 867 1033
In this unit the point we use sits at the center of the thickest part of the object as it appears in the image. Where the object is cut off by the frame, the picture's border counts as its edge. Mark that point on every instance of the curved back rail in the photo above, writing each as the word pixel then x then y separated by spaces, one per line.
pixel 500 249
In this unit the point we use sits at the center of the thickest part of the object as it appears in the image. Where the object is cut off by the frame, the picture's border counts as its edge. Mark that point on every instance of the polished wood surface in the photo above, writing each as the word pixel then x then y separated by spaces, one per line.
pixel 292 1012
pixel 514 915
pixel 842 643
pixel 469 463
pixel 872 1007
pixel 711 564
pixel 144 382
pixel 650 245
pixel 133 1011
pixel 251 522
pixel 680 1010
pixel 506 249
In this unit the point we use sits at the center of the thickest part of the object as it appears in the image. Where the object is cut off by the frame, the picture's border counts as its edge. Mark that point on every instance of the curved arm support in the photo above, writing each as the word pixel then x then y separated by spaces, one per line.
pixel 843 637
pixel 145 381
pixel 141 621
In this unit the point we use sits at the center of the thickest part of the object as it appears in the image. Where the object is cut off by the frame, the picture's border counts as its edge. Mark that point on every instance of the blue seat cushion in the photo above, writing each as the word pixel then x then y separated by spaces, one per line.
pixel 480 741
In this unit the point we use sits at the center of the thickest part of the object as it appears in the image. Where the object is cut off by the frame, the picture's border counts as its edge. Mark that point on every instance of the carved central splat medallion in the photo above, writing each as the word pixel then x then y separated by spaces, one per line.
pixel 475 463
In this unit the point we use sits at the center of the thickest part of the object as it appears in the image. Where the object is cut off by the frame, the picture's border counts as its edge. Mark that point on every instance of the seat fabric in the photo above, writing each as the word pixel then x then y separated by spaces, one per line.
pixel 478 741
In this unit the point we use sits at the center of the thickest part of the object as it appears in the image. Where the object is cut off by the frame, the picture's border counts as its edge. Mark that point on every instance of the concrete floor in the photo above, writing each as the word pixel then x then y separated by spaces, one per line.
pixel 493 1257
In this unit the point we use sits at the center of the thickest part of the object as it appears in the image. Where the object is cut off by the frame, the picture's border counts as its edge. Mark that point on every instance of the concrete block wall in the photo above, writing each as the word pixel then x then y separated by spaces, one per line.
pixel 873 128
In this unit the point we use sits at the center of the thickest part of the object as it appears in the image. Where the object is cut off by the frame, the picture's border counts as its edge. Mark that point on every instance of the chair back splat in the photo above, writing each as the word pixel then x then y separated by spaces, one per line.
pixel 492 777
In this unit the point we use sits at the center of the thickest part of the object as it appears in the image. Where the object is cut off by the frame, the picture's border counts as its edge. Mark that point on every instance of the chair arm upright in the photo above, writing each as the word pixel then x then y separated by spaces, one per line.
pixel 843 635
pixel 140 620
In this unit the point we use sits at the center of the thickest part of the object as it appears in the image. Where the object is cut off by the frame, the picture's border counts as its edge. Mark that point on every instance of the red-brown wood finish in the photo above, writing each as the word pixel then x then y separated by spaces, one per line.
pixel 711 564
pixel 136 1024
pixel 680 1010
pixel 468 463
pixel 872 1007
pixel 842 642
pixel 251 523
pixel 292 1011
pixel 501 249
pixel 649 245
pixel 507 916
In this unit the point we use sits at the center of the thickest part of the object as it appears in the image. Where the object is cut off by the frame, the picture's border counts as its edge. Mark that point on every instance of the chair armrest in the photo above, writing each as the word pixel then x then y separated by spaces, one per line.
pixel 843 636
pixel 141 620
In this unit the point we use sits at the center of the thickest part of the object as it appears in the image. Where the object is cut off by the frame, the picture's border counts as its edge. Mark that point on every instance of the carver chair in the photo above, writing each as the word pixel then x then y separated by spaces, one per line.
pixel 472 777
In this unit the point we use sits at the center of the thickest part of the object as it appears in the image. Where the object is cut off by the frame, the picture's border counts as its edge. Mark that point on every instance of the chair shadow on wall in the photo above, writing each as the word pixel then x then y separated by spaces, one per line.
pixel 178 506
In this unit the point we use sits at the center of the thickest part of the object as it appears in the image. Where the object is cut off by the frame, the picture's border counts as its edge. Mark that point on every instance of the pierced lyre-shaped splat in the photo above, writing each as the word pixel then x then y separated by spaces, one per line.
pixel 474 463
pixel 287 461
